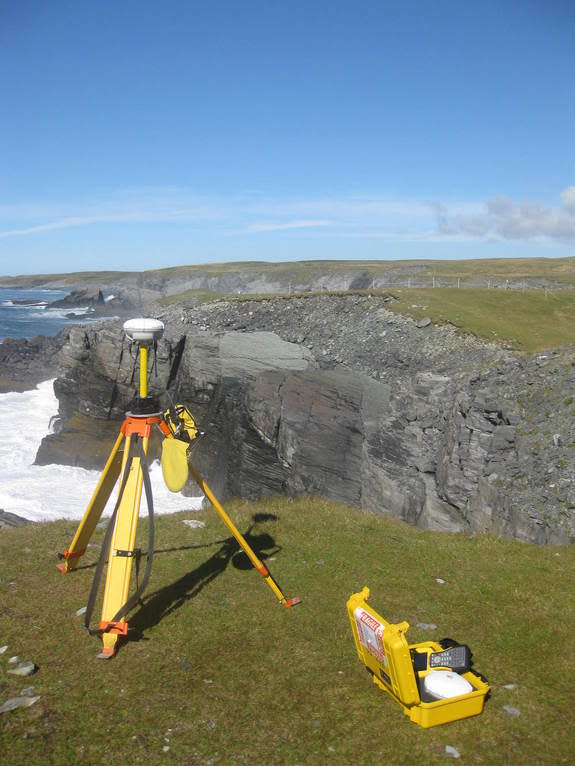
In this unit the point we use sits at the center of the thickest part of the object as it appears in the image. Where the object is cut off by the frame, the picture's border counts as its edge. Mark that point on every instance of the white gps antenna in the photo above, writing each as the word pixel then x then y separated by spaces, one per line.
pixel 144 330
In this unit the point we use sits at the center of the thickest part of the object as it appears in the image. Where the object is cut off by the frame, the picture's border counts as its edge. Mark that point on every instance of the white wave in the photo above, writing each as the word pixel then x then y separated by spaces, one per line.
pixel 48 492
pixel 21 306
pixel 62 313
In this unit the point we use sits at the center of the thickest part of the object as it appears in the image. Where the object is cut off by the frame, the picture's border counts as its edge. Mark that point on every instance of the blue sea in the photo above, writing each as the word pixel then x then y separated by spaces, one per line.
pixel 22 484
pixel 17 321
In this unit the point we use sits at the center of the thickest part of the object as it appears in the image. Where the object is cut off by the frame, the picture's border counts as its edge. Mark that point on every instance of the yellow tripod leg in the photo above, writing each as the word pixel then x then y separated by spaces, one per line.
pixel 121 553
pixel 94 510
pixel 257 563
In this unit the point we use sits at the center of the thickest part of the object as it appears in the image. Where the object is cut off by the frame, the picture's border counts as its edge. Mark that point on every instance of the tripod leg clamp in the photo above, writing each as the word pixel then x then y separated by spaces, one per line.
pixel 67 556
pixel 118 628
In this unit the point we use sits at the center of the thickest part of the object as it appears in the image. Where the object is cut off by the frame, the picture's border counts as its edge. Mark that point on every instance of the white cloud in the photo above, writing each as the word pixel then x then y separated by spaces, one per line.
pixel 504 218
pixel 568 198
pixel 300 224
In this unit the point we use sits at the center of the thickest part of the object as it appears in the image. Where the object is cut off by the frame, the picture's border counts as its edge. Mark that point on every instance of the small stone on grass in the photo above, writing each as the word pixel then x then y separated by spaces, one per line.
pixel 17 702
pixel 452 752
pixel 194 523
pixel 512 711
pixel 23 669
pixel 81 611
pixel 439 581
pixel 426 626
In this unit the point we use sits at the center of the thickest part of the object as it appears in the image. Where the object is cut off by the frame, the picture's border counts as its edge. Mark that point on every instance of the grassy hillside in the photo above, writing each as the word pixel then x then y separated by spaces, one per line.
pixel 221 674
pixel 560 270
pixel 554 269
pixel 530 320
pixel 526 320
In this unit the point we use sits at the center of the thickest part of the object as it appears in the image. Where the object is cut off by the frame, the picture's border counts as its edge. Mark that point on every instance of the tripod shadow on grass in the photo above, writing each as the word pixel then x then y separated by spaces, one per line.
pixel 170 598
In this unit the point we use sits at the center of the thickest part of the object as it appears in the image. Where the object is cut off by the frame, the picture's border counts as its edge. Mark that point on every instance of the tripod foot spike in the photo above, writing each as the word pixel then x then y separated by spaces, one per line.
pixel 292 602
pixel 106 654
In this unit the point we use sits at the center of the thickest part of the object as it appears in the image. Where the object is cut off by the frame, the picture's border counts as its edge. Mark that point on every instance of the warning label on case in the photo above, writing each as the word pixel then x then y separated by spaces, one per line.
pixel 370 633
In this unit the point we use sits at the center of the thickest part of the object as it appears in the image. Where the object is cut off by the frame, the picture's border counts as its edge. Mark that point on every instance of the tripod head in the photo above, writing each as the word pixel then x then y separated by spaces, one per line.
pixel 145 332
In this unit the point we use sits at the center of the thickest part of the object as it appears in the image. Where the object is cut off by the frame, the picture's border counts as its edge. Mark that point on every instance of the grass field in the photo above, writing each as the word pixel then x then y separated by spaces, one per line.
pixel 530 320
pixel 526 320
pixel 219 673
pixel 193 296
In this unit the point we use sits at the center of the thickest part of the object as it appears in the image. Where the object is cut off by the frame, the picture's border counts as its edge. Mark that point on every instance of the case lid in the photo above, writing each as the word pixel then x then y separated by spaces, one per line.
pixel 384 650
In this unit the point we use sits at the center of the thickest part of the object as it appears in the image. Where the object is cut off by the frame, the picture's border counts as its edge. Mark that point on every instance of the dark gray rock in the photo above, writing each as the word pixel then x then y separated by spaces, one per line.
pixel 10 520
pixel 90 296
pixel 25 363
pixel 435 428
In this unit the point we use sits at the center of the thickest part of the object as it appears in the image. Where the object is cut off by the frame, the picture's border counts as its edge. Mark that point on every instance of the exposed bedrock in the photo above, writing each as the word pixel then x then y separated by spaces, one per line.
pixel 25 363
pixel 444 439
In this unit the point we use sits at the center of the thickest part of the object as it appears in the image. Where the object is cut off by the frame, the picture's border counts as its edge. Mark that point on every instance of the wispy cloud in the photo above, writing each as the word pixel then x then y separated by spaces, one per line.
pixel 285 226
pixel 367 216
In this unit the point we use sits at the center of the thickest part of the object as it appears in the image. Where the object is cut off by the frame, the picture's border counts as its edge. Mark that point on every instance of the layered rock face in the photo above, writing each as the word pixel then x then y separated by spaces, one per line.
pixel 343 399
pixel 25 363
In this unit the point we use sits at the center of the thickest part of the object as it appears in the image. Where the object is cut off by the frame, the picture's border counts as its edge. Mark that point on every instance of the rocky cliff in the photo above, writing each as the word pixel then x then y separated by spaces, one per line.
pixel 25 363
pixel 338 396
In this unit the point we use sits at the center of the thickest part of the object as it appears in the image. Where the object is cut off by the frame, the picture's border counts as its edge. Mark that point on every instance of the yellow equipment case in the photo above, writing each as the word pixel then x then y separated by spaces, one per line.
pixel 400 669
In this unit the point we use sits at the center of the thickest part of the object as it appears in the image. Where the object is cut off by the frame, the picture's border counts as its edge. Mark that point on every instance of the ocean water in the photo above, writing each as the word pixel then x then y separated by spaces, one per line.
pixel 28 321
pixel 45 493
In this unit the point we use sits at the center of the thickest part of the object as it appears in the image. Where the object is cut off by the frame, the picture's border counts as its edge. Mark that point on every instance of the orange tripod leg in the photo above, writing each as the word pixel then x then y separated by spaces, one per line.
pixel 122 546
pixel 94 510
pixel 257 563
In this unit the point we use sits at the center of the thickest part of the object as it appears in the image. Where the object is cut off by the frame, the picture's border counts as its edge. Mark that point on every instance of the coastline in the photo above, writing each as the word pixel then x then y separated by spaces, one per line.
pixel 38 493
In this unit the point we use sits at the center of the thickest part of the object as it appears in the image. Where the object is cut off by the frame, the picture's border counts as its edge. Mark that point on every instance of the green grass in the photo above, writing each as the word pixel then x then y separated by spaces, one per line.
pixel 222 674
pixel 560 270
pixel 529 320
pixel 194 296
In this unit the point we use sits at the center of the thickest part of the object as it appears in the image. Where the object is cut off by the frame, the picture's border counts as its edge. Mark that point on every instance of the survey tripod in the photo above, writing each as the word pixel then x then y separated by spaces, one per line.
pixel 178 428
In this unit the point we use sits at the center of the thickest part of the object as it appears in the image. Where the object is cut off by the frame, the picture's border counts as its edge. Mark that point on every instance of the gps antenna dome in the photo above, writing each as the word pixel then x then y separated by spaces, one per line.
pixel 143 330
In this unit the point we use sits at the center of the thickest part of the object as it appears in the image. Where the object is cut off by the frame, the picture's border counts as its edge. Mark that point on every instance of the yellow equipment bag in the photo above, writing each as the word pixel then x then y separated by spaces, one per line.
pixel 175 463
pixel 432 681
pixel 181 422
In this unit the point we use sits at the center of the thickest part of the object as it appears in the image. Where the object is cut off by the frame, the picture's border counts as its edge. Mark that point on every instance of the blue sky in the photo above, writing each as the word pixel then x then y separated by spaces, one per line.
pixel 147 134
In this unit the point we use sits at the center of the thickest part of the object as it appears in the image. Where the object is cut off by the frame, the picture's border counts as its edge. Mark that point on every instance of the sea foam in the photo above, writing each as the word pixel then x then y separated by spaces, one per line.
pixel 48 492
